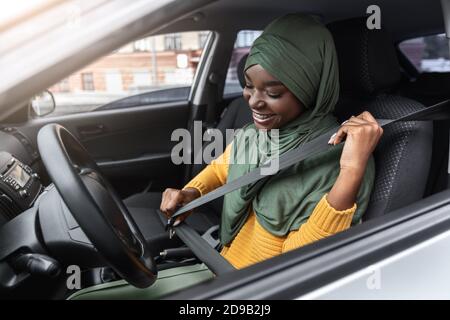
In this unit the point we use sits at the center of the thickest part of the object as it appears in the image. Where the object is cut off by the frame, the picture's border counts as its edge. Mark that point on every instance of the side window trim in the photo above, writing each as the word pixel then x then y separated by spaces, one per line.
pixel 428 53
pixel 204 63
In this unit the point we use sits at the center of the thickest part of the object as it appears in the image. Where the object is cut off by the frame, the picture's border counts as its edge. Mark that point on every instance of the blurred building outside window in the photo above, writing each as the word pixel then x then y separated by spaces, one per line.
pixel 147 65
pixel 427 54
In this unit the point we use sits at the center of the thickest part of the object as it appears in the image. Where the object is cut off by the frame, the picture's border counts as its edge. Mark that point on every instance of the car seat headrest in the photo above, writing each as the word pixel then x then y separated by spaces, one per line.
pixel 368 62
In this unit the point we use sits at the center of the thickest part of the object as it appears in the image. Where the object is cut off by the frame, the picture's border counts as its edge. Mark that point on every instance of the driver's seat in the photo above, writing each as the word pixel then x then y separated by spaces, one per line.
pixel 369 75
pixel 144 206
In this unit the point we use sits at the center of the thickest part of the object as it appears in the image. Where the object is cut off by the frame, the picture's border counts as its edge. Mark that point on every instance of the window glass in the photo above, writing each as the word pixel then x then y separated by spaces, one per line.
pixel 87 81
pixel 244 41
pixel 428 54
pixel 155 69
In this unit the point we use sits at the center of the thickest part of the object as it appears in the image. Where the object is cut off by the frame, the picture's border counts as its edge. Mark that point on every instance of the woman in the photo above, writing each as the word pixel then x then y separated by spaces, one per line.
pixel 291 85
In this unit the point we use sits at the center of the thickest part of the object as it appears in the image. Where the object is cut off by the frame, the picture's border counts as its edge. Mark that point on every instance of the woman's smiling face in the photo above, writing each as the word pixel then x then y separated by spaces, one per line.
pixel 272 104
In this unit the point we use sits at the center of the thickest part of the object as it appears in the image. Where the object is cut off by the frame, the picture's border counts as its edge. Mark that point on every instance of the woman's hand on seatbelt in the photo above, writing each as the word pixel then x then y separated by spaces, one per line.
pixel 173 199
pixel 361 135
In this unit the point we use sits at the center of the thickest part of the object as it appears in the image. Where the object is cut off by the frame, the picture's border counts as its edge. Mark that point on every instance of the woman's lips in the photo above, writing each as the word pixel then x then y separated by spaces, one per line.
pixel 263 118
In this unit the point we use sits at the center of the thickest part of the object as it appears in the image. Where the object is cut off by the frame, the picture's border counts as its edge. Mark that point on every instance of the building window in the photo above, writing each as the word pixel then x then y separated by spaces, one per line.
pixel 172 41
pixel 142 45
pixel 87 81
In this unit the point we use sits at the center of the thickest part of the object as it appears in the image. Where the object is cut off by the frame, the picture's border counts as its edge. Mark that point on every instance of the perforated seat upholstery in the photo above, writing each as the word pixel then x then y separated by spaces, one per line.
pixel 369 75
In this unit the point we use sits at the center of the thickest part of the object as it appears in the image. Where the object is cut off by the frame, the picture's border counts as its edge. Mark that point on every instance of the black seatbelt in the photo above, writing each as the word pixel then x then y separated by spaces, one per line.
pixel 439 111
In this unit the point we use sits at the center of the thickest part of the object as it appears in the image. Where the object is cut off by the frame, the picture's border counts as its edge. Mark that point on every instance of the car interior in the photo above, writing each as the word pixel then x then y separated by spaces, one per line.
pixel 132 146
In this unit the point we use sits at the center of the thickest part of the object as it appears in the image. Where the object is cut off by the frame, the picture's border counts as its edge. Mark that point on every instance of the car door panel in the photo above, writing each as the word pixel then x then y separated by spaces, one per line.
pixel 132 145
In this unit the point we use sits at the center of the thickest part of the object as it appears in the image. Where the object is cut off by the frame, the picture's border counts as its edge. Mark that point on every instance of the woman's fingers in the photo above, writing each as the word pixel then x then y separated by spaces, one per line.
pixel 340 134
pixel 366 115
pixel 181 218
pixel 361 136
pixel 172 199
pixel 364 121
pixel 355 120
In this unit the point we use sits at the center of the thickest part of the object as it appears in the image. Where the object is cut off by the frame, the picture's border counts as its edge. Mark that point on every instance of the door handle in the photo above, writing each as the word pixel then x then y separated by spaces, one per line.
pixel 91 130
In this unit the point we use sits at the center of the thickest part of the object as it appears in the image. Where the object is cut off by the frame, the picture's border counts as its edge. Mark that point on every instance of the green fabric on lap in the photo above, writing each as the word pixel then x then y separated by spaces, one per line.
pixel 169 281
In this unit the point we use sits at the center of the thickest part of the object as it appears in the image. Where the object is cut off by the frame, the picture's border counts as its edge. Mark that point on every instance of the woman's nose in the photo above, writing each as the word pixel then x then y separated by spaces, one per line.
pixel 256 101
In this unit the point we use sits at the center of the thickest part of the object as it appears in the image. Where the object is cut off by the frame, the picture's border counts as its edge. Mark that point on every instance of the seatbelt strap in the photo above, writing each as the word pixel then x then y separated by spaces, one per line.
pixel 439 111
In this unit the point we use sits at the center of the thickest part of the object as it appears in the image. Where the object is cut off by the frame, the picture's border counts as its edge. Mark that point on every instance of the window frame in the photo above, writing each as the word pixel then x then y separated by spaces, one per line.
pixel 405 61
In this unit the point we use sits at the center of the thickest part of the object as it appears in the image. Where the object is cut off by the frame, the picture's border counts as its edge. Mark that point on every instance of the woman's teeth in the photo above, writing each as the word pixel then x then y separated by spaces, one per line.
pixel 262 116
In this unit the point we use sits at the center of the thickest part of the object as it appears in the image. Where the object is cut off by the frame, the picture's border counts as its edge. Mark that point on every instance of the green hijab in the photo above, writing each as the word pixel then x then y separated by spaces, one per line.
pixel 298 51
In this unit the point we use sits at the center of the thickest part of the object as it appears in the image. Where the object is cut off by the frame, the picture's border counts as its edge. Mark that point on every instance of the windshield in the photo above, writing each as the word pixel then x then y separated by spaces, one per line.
pixel 46 35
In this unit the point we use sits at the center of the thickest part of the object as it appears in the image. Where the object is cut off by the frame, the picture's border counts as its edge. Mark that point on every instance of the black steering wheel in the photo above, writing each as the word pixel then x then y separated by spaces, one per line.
pixel 95 205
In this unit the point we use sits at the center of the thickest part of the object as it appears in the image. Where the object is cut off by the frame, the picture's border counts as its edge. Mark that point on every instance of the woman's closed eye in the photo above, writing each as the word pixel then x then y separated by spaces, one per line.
pixel 274 95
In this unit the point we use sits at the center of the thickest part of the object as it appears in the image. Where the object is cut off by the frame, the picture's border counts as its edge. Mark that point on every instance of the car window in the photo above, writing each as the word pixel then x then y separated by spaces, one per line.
pixel 152 70
pixel 427 54
pixel 242 45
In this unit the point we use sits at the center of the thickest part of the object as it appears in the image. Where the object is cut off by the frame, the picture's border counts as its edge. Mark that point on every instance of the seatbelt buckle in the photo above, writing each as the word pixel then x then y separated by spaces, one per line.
pixel 169 227
pixel 171 233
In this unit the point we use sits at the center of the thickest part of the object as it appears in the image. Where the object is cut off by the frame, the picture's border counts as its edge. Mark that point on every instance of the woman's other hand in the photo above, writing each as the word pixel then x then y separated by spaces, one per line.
pixel 361 135
pixel 173 199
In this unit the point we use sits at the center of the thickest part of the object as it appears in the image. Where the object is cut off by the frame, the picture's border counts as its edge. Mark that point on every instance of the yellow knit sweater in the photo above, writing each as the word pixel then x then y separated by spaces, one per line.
pixel 253 243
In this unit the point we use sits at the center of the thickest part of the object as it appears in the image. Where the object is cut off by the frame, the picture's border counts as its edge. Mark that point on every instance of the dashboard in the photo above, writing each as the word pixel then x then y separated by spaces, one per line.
pixel 34 221
pixel 20 184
